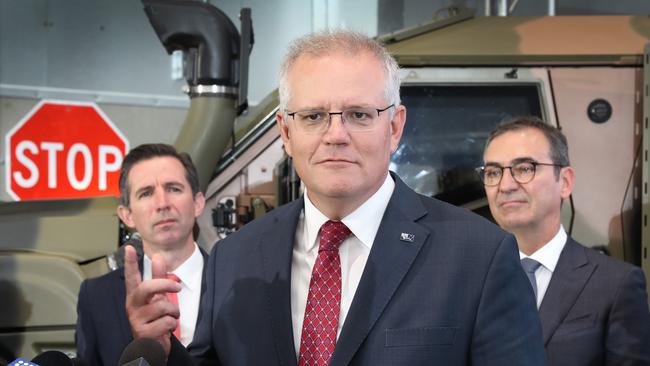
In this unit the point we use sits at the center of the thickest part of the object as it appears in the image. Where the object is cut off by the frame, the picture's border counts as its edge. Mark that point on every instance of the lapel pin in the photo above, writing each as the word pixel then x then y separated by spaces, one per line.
pixel 407 237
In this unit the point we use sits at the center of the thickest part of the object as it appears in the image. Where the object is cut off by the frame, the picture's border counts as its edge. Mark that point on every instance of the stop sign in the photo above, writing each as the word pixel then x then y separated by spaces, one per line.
pixel 63 150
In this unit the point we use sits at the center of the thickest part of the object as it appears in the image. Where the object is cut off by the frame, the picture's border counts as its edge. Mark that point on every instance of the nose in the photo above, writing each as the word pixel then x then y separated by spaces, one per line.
pixel 336 132
pixel 508 182
pixel 161 200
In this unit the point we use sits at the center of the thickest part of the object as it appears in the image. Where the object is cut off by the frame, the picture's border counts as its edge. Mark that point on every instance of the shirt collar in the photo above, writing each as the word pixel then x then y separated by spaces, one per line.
pixel 191 271
pixel 362 222
pixel 187 272
pixel 549 254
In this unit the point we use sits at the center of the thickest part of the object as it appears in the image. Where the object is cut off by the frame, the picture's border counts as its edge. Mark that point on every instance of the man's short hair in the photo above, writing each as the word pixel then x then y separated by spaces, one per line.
pixel 150 151
pixel 348 42
pixel 559 153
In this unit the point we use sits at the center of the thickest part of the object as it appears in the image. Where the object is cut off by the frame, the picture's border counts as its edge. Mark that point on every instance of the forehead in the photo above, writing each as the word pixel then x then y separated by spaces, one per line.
pixel 527 142
pixel 163 169
pixel 336 79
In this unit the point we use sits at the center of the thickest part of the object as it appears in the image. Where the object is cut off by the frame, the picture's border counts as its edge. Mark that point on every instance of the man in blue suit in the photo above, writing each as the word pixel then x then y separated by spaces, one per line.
pixel 361 270
pixel 160 198
pixel 593 308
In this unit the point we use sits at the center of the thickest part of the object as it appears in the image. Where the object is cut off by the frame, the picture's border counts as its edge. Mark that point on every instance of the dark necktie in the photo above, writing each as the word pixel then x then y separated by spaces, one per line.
pixel 173 298
pixel 530 266
pixel 321 321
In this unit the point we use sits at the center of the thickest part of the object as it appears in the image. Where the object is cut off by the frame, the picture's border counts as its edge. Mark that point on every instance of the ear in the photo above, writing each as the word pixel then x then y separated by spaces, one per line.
pixel 199 204
pixel 284 131
pixel 567 179
pixel 397 127
pixel 124 213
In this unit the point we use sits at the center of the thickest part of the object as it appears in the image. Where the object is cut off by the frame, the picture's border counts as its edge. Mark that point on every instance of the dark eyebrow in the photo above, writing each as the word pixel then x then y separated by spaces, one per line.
pixel 174 184
pixel 165 185
pixel 491 163
pixel 515 161
pixel 524 159
pixel 142 189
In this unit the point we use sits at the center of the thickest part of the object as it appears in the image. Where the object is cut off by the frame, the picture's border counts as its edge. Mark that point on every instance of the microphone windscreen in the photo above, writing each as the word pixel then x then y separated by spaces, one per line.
pixel 52 358
pixel 146 348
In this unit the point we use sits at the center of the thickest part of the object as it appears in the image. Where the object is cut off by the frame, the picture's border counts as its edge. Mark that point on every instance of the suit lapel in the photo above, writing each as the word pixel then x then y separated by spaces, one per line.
pixel 204 254
pixel 569 278
pixel 276 246
pixel 390 259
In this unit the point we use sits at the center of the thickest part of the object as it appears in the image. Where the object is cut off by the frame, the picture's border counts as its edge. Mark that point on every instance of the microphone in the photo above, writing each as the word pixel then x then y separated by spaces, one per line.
pixel 52 358
pixel 143 352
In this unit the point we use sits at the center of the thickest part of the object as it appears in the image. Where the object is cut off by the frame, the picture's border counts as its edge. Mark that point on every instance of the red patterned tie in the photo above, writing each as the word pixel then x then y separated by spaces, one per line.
pixel 324 300
pixel 173 298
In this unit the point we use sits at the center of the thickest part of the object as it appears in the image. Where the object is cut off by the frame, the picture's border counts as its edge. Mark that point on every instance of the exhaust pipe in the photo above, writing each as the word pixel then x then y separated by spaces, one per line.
pixel 216 68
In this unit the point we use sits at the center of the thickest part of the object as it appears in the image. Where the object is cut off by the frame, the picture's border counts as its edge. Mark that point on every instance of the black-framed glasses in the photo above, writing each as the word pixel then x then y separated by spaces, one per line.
pixel 522 172
pixel 318 121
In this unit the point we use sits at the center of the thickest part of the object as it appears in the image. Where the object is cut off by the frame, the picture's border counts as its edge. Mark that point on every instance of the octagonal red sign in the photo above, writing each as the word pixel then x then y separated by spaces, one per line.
pixel 63 149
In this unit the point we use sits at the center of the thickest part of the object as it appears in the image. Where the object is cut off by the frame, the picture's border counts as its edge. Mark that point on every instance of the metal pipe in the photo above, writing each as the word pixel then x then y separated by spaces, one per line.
pixel 502 10
pixel 488 8
pixel 513 5
pixel 551 7
pixel 206 133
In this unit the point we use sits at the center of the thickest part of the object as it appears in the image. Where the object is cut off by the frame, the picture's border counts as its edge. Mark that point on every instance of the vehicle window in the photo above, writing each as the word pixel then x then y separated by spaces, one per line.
pixel 446 129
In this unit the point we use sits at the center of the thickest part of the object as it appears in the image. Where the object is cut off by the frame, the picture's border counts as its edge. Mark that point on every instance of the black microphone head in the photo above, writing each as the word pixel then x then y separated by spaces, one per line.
pixel 146 348
pixel 52 358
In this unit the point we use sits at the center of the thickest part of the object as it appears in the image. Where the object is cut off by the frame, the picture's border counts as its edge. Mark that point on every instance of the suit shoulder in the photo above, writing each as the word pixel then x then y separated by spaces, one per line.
pixel 250 232
pixel 442 211
pixel 610 264
pixel 100 283
pixel 612 271
pixel 447 211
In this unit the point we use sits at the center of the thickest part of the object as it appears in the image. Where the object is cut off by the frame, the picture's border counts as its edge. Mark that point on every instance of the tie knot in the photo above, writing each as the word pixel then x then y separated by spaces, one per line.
pixel 530 265
pixel 332 234
pixel 173 277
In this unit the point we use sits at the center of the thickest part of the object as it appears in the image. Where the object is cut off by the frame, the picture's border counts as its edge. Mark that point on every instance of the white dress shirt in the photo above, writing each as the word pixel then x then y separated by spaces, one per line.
pixel 353 251
pixel 548 255
pixel 189 298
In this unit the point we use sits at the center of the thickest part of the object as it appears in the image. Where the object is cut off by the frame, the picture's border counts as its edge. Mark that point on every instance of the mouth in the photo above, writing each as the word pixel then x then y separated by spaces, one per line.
pixel 511 203
pixel 336 161
pixel 164 222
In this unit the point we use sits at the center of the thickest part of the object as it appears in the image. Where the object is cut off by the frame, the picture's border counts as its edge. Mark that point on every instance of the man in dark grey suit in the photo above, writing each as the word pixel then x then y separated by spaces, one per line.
pixel 160 198
pixel 593 308
pixel 361 270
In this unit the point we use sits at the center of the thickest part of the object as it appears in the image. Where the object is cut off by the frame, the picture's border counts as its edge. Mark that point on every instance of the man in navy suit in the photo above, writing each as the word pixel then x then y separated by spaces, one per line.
pixel 361 270
pixel 593 308
pixel 160 199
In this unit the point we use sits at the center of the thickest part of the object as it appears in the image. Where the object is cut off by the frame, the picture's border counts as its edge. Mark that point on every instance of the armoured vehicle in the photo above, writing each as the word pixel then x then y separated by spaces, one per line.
pixel 461 76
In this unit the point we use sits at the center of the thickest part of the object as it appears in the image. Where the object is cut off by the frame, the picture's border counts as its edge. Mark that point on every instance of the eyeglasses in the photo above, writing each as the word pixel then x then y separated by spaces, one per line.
pixel 522 172
pixel 318 121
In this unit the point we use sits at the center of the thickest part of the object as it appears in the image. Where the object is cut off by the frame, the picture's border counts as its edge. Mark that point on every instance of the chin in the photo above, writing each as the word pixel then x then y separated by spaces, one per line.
pixel 168 241
pixel 344 189
pixel 514 224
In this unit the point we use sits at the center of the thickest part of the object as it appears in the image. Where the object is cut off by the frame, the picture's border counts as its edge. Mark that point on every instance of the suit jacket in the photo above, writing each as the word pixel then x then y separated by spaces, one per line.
pixel 595 311
pixel 103 329
pixel 455 295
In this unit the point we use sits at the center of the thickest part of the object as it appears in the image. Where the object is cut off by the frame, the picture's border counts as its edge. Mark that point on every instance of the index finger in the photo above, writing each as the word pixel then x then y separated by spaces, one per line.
pixel 132 277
